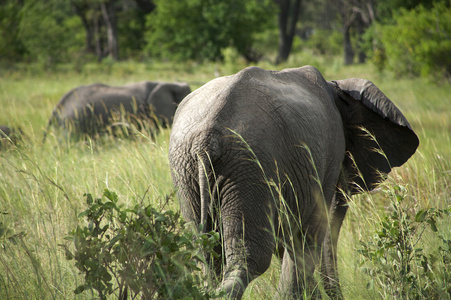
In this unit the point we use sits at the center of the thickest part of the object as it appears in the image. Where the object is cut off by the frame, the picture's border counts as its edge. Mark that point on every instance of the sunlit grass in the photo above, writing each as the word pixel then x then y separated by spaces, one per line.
pixel 42 186
pixel 42 193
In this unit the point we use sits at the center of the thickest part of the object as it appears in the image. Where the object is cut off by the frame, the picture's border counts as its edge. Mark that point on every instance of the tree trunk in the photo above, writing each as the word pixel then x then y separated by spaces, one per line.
pixel 97 38
pixel 110 22
pixel 360 26
pixel 89 36
pixel 146 5
pixel 358 15
pixel 348 51
pixel 288 18
pixel 82 12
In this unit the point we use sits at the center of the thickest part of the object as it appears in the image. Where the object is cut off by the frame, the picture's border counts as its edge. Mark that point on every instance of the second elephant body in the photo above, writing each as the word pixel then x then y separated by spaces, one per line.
pixel 91 109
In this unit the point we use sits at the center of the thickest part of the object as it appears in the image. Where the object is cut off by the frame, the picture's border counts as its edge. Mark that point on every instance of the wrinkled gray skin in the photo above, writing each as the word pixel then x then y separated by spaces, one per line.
pixel 90 109
pixel 303 131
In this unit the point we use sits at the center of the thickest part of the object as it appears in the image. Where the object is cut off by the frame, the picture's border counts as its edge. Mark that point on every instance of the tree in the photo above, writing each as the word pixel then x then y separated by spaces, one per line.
pixel 387 9
pixel 423 49
pixel 287 19
pixel 201 29
pixel 100 20
pixel 11 47
pixel 55 39
pixel 357 15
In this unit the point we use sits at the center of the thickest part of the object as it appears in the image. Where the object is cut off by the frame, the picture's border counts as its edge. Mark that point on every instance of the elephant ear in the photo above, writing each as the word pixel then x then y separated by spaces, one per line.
pixel 378 136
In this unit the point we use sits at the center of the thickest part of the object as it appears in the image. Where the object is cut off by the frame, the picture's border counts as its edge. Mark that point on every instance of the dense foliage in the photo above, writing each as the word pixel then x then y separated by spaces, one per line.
pixel 201 29
pixel 419 42
pixel 53 41
pixel 393 258
pixel 409 37
pixel 139 251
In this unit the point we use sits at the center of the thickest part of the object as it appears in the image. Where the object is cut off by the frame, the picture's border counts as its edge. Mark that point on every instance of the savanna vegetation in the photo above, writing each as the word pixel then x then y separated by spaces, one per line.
pixel 43 185
pixel 56 197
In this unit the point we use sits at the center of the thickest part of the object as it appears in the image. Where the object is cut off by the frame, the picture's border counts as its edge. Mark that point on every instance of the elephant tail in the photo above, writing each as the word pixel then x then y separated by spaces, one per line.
pixel 204 168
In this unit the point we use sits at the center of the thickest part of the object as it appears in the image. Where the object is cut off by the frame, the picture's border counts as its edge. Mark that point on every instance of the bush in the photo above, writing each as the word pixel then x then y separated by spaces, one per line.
pixel 419 43
pixel 393 258
pixel 201 29
pixel 58 36
pixel 11 47
pixel 326 42
pixel 140 251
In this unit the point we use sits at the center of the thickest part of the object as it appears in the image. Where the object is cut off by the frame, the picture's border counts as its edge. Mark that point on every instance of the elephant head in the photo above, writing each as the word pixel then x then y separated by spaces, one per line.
pixel 269 158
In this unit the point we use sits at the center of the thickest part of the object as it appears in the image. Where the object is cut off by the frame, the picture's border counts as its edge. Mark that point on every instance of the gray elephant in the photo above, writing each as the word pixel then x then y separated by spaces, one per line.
pixel 9 136
pixel 91 109
pixel 268 159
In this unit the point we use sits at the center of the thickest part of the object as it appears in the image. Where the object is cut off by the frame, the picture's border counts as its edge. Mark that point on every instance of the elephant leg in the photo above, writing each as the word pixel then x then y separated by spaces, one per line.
pixel 329 270
pixel 298 266
pixel 292 281
pixel 248 249
pixel 245 261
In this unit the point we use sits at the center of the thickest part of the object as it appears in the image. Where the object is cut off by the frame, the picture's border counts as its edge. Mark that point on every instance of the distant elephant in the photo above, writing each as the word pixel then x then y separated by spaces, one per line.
pixel 10 136
pixel 268 160
pixel 91 109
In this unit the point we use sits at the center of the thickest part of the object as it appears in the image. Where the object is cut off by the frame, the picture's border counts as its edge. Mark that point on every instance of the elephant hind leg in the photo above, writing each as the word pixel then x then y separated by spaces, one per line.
pixel 329 270
pixel 296 278
pixel 238 275
pixel 301 257
pixel 247 256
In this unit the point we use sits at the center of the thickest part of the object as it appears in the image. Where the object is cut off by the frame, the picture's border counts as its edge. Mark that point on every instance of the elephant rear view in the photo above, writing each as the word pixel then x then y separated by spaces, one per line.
pixel 268 159
pixel 93 109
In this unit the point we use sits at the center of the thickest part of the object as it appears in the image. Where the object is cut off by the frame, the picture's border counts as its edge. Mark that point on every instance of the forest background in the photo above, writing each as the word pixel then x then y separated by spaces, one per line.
pixel 409 37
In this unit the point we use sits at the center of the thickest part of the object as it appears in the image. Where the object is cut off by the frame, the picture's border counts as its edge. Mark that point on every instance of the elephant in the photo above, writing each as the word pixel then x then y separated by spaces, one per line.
pixel 269 159
pixel 92 109
pixel 10 135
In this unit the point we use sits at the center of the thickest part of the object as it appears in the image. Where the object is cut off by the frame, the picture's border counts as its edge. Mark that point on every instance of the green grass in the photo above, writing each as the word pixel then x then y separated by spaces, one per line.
pixel 42 186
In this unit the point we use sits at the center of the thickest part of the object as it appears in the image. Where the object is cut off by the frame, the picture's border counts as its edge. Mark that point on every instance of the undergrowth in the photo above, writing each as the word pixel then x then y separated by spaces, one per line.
pixel 398 265
pixel 139 252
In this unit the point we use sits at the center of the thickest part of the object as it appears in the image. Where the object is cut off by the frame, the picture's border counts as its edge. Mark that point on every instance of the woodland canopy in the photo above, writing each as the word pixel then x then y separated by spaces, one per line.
pixel 410 37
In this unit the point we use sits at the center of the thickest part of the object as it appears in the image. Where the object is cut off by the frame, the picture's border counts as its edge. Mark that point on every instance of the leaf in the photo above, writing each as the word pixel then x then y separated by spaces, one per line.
pixel 80 289
pixel 431 222
pixel 110 195
pixel 421 215
pixel 88 198
pixel 114 240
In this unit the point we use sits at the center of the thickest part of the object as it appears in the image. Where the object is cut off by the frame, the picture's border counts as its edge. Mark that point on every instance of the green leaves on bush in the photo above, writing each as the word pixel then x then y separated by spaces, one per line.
pixel 201 29
pixel 57 38
pixel 141 251
pixel 393 257
pixel 419 42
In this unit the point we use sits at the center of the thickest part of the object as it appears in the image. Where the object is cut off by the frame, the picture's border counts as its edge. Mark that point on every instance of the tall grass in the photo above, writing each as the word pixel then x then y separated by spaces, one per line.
pixel 42 186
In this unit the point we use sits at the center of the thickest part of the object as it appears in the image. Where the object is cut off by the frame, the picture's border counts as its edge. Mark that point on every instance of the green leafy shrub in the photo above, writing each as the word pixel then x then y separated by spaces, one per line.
pixel 201 29
pixel 140 251
pixel 11 47
pixel 398 266
pixel 419 43
pixel 57 38
pixel 326 42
